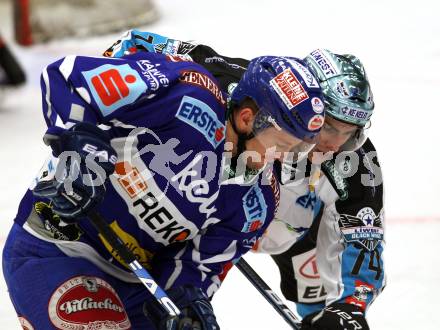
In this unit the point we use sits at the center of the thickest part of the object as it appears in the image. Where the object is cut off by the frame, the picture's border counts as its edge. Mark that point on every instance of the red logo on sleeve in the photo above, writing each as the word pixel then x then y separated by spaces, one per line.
pixel 111 87
pixel 114 86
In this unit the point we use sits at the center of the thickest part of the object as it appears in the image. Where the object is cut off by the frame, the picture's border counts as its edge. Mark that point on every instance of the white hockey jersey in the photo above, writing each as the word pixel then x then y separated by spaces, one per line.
pixel 328 235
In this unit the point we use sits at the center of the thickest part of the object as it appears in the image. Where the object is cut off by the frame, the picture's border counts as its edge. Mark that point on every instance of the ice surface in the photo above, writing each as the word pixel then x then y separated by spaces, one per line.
pixel 398 41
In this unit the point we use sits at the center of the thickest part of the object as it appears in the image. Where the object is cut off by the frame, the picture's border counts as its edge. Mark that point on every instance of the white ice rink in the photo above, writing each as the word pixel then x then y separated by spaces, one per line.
pixel 398 42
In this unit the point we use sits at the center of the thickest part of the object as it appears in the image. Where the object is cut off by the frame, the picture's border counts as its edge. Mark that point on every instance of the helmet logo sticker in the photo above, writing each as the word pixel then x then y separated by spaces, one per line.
pixel 354 113
pixel 289 89
pixel 324 63
pixel 317 105
pixel 342 89
pixel 316 122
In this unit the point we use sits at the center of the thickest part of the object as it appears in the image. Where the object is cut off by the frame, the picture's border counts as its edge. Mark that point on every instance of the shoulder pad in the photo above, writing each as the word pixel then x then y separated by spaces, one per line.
pixel 356 176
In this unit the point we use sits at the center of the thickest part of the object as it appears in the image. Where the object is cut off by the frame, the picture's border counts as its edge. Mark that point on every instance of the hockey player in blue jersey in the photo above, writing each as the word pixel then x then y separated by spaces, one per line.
pixel 144 141
pixel 327 238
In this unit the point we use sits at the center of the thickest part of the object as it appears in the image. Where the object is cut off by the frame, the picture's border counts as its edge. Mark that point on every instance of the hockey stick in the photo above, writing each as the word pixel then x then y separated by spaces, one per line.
pixel 267 293
pixel 164 302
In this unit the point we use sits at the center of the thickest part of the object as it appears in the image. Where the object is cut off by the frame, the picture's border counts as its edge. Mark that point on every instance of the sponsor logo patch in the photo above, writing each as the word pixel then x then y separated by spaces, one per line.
pixel 255 209
pixel 142 255
pixel 179 58
pixel 177 47
pixel 153 211
pixel 342 89
pixel 337 180
pixel 202 80
pixel 307 76
pixel 317 105
pixel 324 63
pixel 315 122
pixel 309 284
pixel 309 268
pixel 289 89
pixel 130 179
pixel 355 113
pixel 153 75
pixel 171 47
pixel 87 303
pixel 307 201
pixel 200 116
pixel 361 293
pixel 114 86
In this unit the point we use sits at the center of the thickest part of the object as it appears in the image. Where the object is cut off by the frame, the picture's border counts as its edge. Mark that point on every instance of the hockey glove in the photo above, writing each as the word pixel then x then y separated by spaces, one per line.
pixel 196 310
pixel 86 159
pixel 336 316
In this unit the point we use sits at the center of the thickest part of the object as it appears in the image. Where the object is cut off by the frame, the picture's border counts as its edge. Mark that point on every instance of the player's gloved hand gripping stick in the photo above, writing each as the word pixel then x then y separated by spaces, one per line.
pixel 76 196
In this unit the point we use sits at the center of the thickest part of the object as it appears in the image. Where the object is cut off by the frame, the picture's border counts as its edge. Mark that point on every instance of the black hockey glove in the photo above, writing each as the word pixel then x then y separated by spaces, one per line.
pixel 336 316
pixel 196 310
pixel 86 159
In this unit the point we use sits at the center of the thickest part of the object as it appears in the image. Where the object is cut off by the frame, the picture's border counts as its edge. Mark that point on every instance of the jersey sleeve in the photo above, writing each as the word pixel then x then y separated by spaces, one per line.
pixel 102 90
pixel 350 240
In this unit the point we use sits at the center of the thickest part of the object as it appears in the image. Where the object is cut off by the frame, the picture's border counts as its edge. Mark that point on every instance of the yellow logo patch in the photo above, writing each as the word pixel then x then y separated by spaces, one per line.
pixel 143 256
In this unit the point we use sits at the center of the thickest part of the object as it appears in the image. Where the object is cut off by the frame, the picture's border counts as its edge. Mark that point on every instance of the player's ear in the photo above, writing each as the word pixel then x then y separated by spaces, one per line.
pixel 244 120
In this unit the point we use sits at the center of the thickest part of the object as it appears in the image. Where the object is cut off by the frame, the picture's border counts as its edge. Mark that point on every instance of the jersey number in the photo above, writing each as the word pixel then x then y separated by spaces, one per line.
pixel 374 258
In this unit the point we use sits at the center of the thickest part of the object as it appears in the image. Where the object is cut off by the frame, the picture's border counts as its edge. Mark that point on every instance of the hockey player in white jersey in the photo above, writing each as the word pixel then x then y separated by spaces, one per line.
pixel 327 238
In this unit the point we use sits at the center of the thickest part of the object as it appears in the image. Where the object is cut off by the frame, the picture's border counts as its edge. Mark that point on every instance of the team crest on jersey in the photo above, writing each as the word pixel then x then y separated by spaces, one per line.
pixel 200 116
pixel 366 228
pixel 114 86
pixel 87 303
pixel 255 209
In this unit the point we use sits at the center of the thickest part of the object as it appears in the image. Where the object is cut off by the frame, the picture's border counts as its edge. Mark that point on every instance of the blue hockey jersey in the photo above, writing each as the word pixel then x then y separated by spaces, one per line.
pixel 166 118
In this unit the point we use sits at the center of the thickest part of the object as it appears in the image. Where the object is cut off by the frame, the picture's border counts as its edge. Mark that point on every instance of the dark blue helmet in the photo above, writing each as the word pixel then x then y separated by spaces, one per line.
pixel 286 92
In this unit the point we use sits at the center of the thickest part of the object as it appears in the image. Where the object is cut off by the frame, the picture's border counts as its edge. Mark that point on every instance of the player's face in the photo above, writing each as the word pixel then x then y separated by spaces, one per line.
pixel 270 144
pixel 333 135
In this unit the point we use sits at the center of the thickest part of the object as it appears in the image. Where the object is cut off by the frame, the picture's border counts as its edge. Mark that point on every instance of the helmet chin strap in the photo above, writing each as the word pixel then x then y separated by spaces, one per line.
pixel 241 142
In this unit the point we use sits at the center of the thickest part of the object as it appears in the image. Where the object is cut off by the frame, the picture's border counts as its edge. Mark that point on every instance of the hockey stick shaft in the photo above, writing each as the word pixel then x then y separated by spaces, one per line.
pixel 268 294
pixel 142 274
